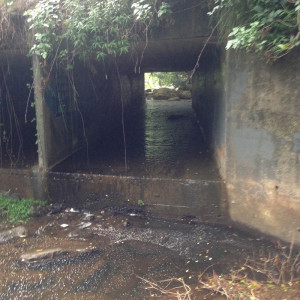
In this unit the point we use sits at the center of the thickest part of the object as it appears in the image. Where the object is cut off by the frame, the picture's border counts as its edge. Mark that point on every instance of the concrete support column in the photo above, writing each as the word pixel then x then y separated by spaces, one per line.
pixel 40 114
pixel 39 181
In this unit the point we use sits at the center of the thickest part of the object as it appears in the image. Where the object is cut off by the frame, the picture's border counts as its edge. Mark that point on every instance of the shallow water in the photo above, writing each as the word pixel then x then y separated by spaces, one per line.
pixel 164 141
pixel 110 253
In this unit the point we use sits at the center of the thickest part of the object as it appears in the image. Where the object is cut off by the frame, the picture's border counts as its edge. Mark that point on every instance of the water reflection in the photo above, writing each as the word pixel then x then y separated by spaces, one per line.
pixel 163 140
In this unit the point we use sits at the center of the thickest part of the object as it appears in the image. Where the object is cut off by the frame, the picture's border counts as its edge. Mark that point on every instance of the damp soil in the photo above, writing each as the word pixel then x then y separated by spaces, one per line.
pixel 107 255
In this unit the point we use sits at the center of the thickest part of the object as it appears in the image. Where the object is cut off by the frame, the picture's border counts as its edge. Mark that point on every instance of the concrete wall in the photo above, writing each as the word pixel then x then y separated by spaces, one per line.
pixel 189 20
pixel 207 91
pixel 175 44
pixel 260 158
pixel 162 196
pixel 76 109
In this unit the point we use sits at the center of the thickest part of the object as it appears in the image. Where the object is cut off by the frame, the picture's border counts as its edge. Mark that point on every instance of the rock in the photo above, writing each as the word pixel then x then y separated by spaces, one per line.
pixel 164 93
pixel 42 255
pixel 174 99
pixel 74 234
pixel 184 94
pixel 88 216
pixel 148 92
pixel 186 87
pixel 126 224
pixel 83 225
pixel 9 235
pixel 55 208
pixel 39 211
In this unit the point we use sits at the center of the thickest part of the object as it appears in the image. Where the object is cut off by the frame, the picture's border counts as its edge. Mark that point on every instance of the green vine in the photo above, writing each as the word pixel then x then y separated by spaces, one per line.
pixel 268 26
pixel 91 28
pixel 96 29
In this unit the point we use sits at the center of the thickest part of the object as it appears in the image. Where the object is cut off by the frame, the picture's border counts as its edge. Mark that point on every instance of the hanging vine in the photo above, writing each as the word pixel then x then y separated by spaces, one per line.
pixel 11 141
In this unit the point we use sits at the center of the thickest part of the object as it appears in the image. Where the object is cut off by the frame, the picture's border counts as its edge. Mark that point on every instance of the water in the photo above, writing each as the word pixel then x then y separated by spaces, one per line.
pixel 110 255
pixel 162 141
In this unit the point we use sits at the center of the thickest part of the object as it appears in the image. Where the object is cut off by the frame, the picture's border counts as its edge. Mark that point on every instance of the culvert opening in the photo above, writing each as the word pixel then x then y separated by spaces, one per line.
pixel 163 140
pixel 18 138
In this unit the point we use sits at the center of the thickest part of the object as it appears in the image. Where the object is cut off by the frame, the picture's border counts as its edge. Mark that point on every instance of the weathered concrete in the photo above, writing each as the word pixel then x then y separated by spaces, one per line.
pixel 174 46
pixel 248 113
pixel 165 197
pixel 207 91
pixel 72 111
pixel 260 156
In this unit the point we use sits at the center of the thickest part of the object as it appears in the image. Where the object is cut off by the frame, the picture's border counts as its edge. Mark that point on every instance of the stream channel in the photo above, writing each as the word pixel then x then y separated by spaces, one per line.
pixel 108 254
pixel 163 140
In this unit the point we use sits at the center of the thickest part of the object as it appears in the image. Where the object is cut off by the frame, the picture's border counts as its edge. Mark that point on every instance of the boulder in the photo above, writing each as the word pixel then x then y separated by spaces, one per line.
pixel 9 235
pixel 186 87
pixel 184 94
pixel 163 94
pixel 174 99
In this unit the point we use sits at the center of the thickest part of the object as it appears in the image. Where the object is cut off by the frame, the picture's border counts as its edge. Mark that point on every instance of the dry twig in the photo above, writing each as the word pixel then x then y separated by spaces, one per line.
pixel 174 288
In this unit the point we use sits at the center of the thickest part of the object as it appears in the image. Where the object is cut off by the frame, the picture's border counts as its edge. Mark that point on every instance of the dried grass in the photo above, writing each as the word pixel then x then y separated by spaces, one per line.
pixel 173 288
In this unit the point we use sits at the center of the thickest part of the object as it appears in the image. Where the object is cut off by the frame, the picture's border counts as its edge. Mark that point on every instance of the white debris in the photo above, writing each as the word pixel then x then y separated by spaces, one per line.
pixel 84 225
pixel 64 225
pixel 72 210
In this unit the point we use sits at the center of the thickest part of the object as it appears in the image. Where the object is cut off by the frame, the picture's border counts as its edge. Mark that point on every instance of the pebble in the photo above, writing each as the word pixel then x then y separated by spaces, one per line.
pixel 9 235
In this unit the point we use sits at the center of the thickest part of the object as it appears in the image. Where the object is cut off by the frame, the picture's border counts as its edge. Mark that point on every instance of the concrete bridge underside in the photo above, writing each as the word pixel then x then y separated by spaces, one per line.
pixel 248 111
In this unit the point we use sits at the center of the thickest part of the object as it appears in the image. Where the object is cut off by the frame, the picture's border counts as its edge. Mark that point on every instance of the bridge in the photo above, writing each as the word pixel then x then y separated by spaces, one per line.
pixel 247 110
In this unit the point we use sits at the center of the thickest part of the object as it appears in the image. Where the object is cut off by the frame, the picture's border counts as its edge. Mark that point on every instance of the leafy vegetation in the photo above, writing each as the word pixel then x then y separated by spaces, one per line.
pixel 15 210
pixel 141 203
pixel 91 28
pixel 166 79
pixel 268 26
pixel 99 29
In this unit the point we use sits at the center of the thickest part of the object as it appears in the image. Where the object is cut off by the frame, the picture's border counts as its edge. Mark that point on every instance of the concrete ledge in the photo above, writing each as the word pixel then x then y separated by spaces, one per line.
pixel 18 181
pixel 163 197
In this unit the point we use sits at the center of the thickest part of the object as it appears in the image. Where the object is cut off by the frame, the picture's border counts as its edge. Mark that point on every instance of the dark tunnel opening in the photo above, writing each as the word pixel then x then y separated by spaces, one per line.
pixel 164 139
pixel 18 138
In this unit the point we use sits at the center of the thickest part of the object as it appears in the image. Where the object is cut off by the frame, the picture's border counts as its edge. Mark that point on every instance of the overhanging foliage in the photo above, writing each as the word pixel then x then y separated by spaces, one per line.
pixel 268 26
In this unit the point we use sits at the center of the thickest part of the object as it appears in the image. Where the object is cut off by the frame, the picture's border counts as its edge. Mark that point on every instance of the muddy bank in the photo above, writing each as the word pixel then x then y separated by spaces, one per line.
pixel 103 255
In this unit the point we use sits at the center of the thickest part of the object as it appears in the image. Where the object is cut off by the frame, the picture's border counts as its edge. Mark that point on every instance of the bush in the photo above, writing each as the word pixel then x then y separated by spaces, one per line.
pixel 15 210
